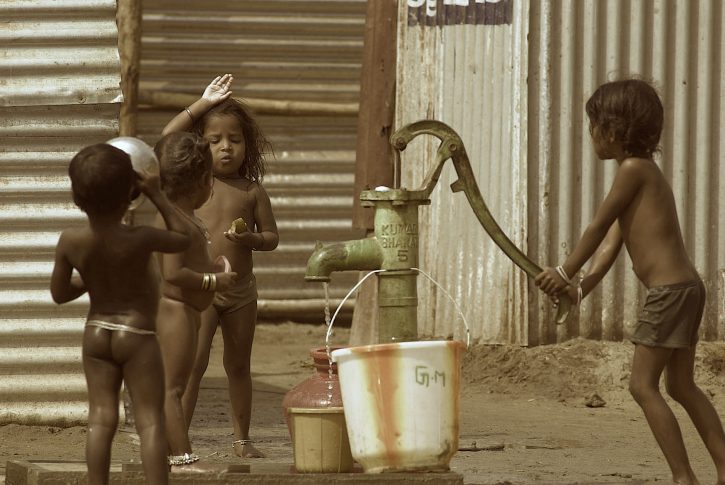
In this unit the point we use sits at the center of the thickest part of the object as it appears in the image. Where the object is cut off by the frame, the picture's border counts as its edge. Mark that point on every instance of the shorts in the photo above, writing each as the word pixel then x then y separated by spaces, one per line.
pixel 238 296
pixel 671 316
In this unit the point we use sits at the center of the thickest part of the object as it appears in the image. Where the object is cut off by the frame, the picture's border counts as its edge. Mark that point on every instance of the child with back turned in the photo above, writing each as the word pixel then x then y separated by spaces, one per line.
pixel 626 122
pixel 190 280
pixel 238 148
pixel 114 262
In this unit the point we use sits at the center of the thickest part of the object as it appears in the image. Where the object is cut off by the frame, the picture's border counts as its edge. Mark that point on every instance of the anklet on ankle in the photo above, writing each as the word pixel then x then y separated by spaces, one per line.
pixel 242 442
pixel 185 459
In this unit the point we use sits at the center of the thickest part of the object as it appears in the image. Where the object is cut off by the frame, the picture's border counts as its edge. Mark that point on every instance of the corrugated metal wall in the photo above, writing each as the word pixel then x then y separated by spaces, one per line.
pixel 471 77
pixel 283 50
pixel 574 47
pixel 519 106
pixel 59 92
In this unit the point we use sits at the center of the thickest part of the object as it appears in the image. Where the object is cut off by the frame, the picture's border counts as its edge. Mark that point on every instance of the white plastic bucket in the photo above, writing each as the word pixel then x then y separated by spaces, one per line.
pixel 401 403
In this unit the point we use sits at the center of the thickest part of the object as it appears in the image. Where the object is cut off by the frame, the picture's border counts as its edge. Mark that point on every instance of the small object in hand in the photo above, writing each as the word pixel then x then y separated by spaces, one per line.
pixel 238 226
pixel 221 264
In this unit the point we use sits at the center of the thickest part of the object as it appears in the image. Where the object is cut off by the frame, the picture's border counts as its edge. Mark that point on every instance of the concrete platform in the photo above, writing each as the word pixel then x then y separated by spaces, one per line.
pixel 74 473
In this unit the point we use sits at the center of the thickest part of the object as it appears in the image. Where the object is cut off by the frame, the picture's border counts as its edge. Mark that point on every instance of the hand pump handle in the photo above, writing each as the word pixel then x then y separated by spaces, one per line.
pixel 452 147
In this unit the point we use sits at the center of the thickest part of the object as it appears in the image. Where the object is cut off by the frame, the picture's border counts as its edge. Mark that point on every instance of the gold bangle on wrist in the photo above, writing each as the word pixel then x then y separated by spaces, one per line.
pixel 212 281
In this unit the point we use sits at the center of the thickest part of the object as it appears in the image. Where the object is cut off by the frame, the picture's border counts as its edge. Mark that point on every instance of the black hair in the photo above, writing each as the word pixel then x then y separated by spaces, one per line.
pixel 631 111
pixel 184 160
pixel 256 144
pixel 102 179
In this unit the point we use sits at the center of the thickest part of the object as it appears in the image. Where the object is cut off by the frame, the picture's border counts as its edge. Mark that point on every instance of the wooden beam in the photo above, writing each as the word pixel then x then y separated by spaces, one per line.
pixel 166 99
pixel 128 19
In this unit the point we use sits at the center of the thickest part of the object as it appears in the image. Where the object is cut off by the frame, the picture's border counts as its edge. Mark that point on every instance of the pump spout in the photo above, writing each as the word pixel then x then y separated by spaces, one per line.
pixel 356 255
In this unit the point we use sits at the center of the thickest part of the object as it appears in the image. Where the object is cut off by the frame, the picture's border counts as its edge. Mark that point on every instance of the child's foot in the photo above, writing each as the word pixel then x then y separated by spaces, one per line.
pixel 245 449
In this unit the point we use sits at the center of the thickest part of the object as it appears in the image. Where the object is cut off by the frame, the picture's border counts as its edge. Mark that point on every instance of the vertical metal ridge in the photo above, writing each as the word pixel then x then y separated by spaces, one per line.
pixel 464 75
pixel 679 46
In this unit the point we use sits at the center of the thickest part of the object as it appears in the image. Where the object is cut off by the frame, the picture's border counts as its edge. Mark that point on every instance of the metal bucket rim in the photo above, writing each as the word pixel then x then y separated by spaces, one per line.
pixel 424 344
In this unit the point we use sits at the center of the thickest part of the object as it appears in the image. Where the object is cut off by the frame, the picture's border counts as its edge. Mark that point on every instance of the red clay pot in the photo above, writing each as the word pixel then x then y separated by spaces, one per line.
pixel 314 391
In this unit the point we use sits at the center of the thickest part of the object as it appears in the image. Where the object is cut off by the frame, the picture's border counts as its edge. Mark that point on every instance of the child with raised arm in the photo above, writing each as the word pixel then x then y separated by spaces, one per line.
pixel 190 280
pixel 626 122
pixel 238 148
pixel 114 262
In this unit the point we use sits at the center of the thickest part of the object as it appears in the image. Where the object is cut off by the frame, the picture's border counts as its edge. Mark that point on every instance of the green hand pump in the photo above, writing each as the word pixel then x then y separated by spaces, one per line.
pixel 394 247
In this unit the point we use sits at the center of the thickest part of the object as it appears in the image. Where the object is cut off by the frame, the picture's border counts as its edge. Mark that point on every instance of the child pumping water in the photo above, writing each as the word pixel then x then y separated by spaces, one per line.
pixel 639 212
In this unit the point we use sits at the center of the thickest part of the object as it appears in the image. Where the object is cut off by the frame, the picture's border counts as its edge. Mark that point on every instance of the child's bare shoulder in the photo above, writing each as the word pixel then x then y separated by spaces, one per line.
pixel 251 188
pixel 643 169
pixel 634 164
pixel 71 236
pixel 257 189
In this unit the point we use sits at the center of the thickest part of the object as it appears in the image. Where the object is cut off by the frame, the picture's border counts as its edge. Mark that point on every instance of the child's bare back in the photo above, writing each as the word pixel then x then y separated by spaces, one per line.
pixel 197 259
pixel 190 277
pixel 116 271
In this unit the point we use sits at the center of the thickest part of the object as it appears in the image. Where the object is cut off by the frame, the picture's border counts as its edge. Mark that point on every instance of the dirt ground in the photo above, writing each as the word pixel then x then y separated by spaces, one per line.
pixel 524 413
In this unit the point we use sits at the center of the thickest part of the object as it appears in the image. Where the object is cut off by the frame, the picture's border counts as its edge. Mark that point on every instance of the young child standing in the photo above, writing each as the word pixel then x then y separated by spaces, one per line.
pixel 238 148
pixel 189 281
pixel 115 267
pixel 626 122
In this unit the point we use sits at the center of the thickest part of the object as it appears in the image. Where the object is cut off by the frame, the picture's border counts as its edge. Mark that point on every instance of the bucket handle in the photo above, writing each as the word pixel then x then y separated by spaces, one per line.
pixel 342 302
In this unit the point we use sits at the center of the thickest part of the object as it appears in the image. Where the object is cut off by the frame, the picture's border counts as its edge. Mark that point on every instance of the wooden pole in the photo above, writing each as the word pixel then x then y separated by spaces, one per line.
pixel 128 19
pixel 373 165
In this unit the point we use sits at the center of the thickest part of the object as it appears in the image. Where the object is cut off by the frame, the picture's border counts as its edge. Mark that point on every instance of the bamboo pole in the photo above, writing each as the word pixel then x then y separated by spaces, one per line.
pixel 128 19
pixel 165 99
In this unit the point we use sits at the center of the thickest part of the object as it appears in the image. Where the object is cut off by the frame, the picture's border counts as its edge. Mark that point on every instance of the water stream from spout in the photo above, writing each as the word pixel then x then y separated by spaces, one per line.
pixel 328 322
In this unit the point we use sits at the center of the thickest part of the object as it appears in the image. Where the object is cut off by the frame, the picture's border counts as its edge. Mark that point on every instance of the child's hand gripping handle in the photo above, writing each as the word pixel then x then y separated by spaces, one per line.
pixel 452 147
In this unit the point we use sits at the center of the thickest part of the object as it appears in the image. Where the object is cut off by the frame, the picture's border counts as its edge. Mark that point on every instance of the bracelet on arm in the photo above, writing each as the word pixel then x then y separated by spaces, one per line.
pixel 188 111
pixel 560 271
pixel 205 282
pixel 208 282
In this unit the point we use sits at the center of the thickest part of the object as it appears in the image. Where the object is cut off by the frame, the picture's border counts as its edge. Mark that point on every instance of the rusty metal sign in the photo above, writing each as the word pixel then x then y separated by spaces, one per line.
pixel 436 13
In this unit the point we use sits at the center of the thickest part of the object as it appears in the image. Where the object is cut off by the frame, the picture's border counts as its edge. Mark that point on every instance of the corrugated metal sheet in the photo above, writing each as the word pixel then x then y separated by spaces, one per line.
pixel 276 49
pixel 528 139
pixel 471 77
pixel 577 45
pixel 59 92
